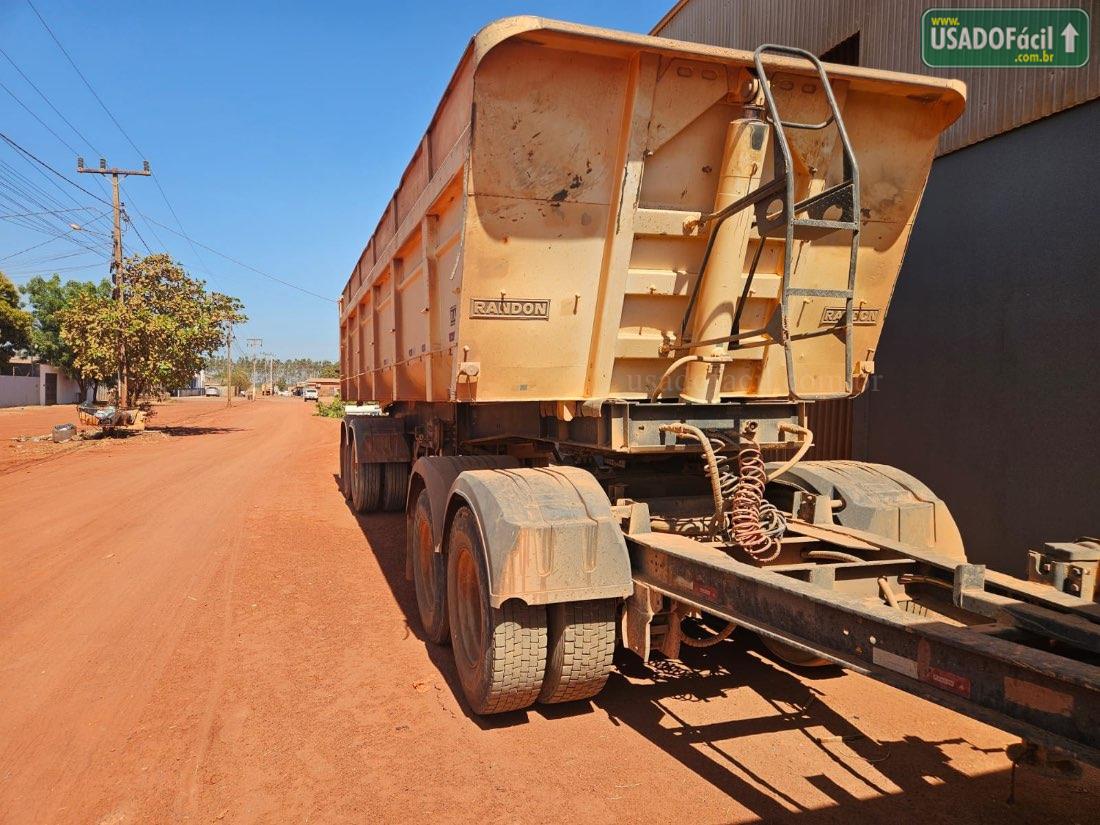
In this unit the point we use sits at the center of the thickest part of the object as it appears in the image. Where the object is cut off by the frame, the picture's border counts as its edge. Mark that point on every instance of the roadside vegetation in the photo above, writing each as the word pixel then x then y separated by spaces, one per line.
pixel 15 324
pixel 331 409
pixel 48 298
pixel 166 324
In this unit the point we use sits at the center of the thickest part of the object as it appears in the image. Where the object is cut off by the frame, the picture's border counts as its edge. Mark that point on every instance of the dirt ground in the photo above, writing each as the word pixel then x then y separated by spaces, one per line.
pixel 194 627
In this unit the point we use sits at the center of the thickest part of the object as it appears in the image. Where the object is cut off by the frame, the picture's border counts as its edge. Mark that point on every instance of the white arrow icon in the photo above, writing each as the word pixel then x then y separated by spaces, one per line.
pixel 1069 35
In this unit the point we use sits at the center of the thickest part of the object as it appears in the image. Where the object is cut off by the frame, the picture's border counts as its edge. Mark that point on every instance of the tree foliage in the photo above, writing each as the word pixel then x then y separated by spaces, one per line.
pixel 167 321
pixel 15 323
pixel 48 298
pixel 242 378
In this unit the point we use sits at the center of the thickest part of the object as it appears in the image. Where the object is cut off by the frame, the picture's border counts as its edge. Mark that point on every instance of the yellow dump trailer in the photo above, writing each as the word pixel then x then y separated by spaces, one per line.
pixel 614 276
pixel 545 241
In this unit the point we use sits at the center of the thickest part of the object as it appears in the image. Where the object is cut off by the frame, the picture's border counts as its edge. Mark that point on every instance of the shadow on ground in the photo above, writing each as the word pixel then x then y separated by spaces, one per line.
pixel 638 696
pixel 184 431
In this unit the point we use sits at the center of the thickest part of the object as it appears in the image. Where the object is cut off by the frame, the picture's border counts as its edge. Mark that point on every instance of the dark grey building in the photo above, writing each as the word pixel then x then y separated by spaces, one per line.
pixel 988 388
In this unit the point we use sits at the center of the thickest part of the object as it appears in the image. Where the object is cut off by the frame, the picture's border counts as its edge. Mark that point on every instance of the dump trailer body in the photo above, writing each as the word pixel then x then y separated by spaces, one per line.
pixel 544 241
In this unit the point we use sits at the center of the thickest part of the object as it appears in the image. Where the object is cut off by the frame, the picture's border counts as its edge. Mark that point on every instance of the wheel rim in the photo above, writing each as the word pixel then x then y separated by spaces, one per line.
pixel 425 553
pixel 470 636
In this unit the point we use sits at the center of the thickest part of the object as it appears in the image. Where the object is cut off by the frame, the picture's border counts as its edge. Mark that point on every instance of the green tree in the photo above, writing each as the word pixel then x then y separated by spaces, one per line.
pixel 47 298
pixel 167 321
pixel 15 323
pixel 330 370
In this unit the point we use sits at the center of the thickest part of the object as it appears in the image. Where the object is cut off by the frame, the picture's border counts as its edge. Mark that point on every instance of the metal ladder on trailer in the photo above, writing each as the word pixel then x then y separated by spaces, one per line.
pixel 803 220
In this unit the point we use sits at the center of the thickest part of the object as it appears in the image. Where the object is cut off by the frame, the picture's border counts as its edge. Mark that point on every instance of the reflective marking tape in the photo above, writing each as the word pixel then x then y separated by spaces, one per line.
pixel 946 680
pixel 894 662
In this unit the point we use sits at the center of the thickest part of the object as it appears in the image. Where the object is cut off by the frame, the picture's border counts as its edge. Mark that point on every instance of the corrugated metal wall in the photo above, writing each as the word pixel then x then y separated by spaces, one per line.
pixel 988 358
pixel 999 99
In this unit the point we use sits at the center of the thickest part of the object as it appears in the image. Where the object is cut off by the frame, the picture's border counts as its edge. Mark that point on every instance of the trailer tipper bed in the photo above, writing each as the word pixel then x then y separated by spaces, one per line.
pixel 614 276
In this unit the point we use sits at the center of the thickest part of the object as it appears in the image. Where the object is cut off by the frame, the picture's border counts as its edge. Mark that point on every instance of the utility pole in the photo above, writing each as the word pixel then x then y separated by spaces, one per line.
pixel 271 374
pixel 229 365
pixel 116 262
pixel 254 344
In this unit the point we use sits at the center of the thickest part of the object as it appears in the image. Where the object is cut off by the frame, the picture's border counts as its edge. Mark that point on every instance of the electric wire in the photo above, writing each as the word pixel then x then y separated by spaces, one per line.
pixel 164 226
pixel 115 121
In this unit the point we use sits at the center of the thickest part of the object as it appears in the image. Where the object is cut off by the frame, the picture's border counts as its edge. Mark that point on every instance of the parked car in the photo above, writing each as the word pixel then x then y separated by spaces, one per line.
pixel 213 391
pixel 309 394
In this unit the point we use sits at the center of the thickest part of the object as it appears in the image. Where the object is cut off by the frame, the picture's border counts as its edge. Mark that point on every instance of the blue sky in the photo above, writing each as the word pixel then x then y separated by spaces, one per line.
pixel 278 132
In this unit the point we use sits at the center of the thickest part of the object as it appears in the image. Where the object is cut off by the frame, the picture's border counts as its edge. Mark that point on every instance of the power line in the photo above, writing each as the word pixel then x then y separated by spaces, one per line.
pixel 49 103
pixel 182 234
pixel 32 113
pixel 18 197
pixel 125 134
pixel 45 165
pixel 26 276
pixel 82 77
pixel 133 226
pixel 43 243
pixel 47 212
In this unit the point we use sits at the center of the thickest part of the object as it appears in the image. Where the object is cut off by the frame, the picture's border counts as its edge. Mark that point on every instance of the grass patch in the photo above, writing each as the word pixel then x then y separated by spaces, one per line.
pixel 331 409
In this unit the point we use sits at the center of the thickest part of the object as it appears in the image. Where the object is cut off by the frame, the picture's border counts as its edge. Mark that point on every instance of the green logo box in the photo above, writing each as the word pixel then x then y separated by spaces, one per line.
pixel 1005 38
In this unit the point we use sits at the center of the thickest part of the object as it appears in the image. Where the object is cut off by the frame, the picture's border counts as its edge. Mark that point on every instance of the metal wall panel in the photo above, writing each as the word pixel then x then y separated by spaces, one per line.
pixel 831 424
pixel 999 99
pixel 988 358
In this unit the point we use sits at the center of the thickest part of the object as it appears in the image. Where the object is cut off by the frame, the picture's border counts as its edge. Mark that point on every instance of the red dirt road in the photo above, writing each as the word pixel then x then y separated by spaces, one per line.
pixel 194 628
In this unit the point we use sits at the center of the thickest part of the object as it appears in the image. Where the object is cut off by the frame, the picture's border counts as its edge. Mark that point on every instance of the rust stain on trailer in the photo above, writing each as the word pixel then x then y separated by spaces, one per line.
pixel 1037 697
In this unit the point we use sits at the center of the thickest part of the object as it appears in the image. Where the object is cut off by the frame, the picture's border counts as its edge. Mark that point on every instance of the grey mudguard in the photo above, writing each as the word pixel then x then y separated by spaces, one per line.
pixel 548 532
pixel 379 439
pixel 881 499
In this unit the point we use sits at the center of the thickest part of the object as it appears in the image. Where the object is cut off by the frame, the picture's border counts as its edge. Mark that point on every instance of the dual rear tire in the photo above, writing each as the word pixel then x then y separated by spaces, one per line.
pixel 372 486
pixel 511 656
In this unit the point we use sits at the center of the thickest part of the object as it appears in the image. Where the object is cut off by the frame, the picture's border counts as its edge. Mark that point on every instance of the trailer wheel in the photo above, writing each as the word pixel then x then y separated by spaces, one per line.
pixel 429 573
pixel 500 653
pixel 345 474
pixel 395 484
pixel 792 655
pixel 367 490
pixel 581 649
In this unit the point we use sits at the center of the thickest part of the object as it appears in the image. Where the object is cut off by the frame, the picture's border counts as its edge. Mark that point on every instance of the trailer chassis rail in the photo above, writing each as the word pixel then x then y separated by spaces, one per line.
pixel 1045 698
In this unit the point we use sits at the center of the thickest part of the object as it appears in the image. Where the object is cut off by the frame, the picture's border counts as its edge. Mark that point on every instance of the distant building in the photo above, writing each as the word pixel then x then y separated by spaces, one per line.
pixel 326 387
pixel 27 382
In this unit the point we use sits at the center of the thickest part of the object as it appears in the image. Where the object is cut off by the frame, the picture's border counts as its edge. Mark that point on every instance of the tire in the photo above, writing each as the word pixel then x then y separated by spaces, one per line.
pixel 429 573
pixel 367 491
pixel 346 461
pixel 395 485
pixel 500 653
pixel 580 651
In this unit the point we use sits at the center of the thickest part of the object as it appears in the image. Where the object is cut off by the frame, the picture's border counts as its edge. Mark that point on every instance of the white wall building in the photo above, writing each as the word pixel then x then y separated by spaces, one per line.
pixel 28 383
